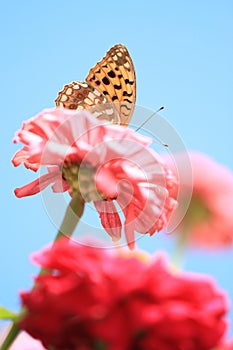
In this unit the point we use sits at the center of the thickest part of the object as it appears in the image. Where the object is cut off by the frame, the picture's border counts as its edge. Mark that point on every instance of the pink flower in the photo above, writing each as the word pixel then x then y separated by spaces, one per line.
pixel 90 296
pixel 104 162
pixel 208 221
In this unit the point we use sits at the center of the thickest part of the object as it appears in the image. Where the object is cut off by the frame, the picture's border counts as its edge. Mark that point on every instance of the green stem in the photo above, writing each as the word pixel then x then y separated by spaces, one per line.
pixel 73 213
pixel 12 334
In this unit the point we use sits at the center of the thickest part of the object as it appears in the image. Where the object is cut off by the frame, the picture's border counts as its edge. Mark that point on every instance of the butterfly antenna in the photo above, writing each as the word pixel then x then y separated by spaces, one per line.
pixel 149 118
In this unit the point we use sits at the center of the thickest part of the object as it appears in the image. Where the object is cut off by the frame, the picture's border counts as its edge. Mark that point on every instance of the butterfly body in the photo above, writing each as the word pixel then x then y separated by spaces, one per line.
pixel 111 81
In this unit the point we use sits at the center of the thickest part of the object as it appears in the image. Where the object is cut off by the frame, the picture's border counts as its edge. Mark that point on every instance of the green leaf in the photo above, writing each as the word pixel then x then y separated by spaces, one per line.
pixel 7 314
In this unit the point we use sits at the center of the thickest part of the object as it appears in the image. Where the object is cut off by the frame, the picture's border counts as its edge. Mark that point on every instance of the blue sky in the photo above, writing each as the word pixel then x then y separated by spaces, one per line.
pixel 183 54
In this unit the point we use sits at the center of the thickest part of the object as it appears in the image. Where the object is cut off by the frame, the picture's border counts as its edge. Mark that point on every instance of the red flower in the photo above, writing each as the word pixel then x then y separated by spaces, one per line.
pixel 90 296
pixel 104 162
pixel 208 221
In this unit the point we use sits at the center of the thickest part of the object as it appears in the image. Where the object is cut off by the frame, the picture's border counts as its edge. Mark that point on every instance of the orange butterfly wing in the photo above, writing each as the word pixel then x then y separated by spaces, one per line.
pixel 112 82
pixel 115 77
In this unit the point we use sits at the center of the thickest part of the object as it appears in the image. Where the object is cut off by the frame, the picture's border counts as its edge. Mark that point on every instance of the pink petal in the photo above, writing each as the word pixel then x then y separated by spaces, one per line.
pixel 106 182
pixel 129 234
pixel 109 218
pixel 38 184
pixel 22 157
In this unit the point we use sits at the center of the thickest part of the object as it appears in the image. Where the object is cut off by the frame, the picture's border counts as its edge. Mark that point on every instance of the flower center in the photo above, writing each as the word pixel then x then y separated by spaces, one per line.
pixel 82 180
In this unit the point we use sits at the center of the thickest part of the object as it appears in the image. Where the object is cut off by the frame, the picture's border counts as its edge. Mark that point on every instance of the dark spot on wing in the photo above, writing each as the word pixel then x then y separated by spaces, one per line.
pixel 111 74
pixel 126 99
pixel 127 81
pixel 125 93
pixel 117 87
pixel 106 81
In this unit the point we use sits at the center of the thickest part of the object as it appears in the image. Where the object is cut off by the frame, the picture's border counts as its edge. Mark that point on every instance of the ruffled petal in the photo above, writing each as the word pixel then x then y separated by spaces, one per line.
pixel 39 184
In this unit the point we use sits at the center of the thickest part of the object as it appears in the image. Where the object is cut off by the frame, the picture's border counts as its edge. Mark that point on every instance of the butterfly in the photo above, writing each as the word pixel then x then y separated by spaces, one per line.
pixel 109 90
